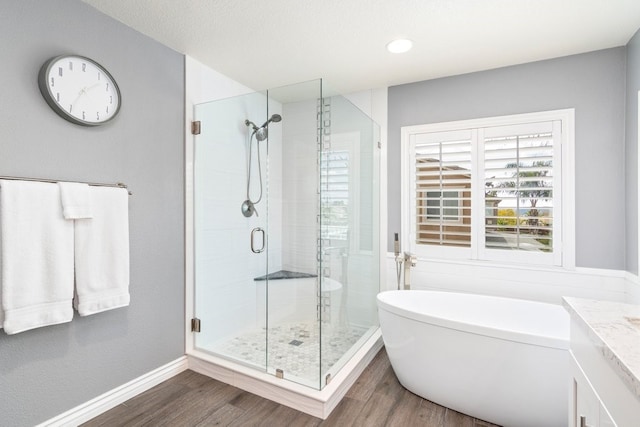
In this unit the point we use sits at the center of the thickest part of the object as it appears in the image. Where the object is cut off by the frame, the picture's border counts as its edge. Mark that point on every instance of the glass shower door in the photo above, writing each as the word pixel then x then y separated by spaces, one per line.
pixel 349 230
pixel 293 333
pixel 324 233
pixel 231 250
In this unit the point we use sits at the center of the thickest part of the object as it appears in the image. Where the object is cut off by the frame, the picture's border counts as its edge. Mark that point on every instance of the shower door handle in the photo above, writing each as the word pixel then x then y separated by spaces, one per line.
pixel 253 248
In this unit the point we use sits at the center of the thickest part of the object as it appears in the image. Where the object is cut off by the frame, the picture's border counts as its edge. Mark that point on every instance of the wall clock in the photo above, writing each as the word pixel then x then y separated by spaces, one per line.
pixel 79 90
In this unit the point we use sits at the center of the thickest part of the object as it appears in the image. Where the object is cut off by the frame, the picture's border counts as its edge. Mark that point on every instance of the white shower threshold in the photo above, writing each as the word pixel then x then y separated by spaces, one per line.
pixel 318 403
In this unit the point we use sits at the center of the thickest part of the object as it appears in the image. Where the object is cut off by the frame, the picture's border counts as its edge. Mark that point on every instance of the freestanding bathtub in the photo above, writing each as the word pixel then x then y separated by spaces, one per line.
pixel 498 359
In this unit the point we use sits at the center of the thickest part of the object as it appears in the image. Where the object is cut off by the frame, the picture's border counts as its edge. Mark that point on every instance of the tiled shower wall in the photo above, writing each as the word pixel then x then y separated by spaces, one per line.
pixel 359 272
pixel 299 186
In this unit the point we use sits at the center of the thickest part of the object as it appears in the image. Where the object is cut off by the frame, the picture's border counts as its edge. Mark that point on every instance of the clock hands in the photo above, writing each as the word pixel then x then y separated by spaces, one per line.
pixel 87 89
pixel 84 91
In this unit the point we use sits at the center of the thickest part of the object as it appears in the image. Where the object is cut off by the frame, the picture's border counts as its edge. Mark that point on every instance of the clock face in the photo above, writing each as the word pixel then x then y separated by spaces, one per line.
pixel 79 90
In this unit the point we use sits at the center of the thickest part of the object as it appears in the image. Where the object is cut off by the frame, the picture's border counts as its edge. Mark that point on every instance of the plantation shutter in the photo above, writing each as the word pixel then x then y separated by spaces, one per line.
pixel 521 177
pixel 442 178
pixel 334 190
pixel 491 189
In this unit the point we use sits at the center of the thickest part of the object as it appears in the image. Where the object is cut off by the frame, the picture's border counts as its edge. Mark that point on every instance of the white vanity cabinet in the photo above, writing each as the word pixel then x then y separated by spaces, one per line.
pixel 604 364
pixel 587 409
pixel 605 419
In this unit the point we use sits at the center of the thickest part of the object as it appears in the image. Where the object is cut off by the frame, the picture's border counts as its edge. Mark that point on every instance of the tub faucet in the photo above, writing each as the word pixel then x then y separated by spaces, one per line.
pixel 410 260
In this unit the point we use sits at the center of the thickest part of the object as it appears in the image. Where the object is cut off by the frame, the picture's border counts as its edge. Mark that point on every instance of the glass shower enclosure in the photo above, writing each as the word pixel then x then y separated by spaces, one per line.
pixel 286 231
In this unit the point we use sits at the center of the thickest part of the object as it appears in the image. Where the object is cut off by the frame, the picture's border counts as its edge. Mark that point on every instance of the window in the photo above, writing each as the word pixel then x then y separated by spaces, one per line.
pixel 442 162
pixel 339 168
pixel 443 206
pixel 334 181
pixel 490 189
pixel 519 177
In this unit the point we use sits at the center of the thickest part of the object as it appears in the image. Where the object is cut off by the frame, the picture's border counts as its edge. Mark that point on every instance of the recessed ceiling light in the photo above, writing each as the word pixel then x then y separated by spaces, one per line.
pixel 399 46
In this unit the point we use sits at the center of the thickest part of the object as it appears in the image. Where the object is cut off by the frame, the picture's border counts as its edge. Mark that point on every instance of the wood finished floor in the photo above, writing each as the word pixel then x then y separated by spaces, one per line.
pixel 190 399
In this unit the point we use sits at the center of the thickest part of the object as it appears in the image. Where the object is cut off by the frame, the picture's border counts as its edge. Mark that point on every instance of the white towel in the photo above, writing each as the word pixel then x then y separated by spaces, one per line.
pixel 75 200
pixel 37 256
pixel 1 306
pixel 1 309
pixel 102 252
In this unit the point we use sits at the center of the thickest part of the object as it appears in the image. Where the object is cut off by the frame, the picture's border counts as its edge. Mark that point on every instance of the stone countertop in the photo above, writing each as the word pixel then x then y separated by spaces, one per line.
pixel 614 328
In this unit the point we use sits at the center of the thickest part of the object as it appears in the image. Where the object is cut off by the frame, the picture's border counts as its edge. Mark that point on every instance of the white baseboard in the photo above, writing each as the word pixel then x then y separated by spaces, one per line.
pixel 91 409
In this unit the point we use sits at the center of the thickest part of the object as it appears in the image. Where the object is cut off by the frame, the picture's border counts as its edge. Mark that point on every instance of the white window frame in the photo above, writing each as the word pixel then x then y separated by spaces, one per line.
pixel 564 251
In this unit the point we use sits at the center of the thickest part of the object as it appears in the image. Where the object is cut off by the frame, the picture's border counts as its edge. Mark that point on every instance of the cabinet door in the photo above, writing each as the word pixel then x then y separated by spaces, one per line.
pixel 605 418
pixel 587 406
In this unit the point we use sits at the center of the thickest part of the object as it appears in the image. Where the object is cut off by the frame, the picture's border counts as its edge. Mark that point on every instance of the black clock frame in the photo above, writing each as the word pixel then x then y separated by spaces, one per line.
pixel 48 96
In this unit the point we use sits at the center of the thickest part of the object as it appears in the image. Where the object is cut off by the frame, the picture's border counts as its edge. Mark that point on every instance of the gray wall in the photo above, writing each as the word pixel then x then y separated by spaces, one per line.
pixel 631 151
pixel 47 371
pixel 592 83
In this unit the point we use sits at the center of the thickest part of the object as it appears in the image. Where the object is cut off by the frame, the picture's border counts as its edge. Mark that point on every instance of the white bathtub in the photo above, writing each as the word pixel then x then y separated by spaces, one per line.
pixel 498 359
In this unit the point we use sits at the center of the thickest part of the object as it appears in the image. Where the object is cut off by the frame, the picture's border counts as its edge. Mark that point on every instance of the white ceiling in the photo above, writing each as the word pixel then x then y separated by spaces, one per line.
pixel 270 43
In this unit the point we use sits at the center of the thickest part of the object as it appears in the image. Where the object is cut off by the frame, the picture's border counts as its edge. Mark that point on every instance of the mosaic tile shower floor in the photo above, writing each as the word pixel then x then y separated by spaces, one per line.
pixel 294 348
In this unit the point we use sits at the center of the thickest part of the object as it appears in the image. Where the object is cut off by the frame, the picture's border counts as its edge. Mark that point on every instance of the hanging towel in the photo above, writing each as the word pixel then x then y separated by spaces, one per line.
pixel 1 309
pixel 1 305
pixel 102 252
pixel 37 256
pixel 75 200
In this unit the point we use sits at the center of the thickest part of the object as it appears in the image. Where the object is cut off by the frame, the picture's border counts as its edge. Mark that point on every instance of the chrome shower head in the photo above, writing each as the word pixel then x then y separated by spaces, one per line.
pixel 262 132
pixel 274 118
